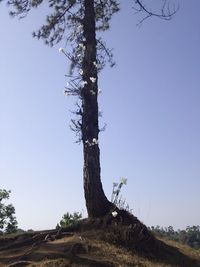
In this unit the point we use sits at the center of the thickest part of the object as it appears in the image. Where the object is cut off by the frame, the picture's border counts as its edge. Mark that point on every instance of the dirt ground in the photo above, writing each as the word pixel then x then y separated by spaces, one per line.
pixel 96 243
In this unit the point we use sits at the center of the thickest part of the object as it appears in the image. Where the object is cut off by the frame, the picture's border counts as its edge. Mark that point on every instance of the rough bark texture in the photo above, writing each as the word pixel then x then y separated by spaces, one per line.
pixel 96 202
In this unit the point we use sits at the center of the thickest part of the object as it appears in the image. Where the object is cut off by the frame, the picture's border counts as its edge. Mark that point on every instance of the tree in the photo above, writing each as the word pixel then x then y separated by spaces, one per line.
pixel 78 22
pixel 8 221
pixel 69 219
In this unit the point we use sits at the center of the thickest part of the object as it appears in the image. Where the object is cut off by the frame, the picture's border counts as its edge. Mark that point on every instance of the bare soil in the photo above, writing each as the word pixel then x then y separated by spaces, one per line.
pixel 121 241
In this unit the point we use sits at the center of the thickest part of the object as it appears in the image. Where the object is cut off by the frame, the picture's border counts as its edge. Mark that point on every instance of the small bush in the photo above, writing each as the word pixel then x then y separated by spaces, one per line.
pixel 69 219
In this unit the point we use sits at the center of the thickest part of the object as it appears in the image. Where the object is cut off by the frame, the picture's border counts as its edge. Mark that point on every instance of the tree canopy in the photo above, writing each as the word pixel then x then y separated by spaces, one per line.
pixel 8 222
pixel 77 22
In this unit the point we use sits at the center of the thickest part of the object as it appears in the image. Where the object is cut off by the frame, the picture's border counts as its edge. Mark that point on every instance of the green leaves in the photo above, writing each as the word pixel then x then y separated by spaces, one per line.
pixel 8 221
pixel 4 194
pixel 104 11
pixel 64 19
pixel 69 219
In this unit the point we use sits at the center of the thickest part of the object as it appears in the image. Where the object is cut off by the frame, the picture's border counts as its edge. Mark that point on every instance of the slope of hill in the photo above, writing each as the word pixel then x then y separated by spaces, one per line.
pixel 95 243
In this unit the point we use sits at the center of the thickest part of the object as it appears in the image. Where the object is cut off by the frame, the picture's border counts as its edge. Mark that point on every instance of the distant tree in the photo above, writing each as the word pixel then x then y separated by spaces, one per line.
pixel 69 219
pixel 8 222
pixel 78 22
pixel 170 230
pixel 193 236
pixel 190 236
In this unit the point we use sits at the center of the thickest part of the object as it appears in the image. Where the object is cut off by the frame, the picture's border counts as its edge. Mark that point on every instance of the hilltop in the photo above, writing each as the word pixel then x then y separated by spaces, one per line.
pixel 106 242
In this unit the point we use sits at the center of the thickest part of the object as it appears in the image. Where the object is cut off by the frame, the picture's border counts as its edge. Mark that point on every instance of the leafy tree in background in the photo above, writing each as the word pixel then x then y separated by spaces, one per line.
pixel 8 223
pixel 69 219
pixel 78 22
pixel 190 236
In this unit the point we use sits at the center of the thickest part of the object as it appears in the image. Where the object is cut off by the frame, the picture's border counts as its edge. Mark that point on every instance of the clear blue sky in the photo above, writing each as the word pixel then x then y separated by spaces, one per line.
pixel 150 102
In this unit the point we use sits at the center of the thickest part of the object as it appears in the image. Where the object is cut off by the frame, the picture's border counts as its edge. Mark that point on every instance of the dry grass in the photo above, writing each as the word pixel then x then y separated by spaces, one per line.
pixel 80 250
pixel 193 253
pixel 96 244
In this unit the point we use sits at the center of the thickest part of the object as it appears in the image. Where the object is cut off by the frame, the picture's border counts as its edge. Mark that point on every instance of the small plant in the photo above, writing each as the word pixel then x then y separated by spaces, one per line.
pixel 116 198
pixel 69 219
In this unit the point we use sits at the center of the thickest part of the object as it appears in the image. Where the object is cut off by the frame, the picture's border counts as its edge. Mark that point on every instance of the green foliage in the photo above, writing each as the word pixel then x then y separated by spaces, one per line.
pixel 64 21
pixel 190 236
pixel 8 223
pixel 69 219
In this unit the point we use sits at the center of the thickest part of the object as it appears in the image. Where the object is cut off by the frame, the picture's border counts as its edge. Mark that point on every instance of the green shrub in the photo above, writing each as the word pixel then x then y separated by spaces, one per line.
pixel 69 219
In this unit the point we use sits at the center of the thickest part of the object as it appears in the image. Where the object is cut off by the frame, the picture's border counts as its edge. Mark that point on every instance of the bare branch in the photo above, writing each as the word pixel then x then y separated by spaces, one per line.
pixel 75 126
pixel 166 11
pixel 102 129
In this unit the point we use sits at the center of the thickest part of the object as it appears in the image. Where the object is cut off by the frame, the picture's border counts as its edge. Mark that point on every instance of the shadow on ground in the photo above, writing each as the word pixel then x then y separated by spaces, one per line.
pixel 121 241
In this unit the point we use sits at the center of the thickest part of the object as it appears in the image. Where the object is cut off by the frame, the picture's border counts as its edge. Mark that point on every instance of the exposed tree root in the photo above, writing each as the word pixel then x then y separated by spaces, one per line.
pixel 124 230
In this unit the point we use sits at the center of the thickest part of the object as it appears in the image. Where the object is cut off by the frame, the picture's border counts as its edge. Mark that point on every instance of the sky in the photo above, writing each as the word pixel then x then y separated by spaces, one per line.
pixel 150 103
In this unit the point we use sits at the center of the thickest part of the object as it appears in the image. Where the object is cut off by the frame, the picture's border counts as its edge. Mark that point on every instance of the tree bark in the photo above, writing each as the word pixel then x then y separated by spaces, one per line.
pixel 96 202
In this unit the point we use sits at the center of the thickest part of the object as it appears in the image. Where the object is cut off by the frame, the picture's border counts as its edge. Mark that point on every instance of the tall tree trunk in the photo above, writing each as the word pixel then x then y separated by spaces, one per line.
pixel 96 202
